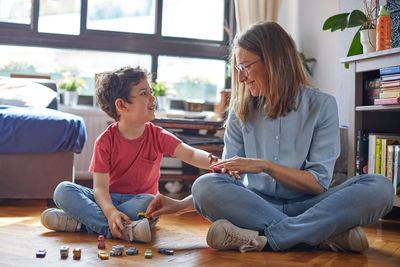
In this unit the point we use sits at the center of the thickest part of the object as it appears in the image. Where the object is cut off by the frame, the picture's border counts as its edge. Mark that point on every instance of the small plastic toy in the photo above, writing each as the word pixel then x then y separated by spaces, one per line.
pixel 101 244
pixel 117 250
pixel 142 215
pixel 166 251
pixel 77 253
pixel 64 251
pixel 148 254
pixel 102 254
pixel 132 251
pixel 41 253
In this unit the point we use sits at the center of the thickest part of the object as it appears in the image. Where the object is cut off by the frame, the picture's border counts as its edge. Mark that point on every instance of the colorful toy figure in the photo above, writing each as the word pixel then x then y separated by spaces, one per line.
pixel 117 250
pixel 142 215
pixel 41 253
pixel 77 253
pixel 148 254
pixel 64 251
pixel 101 244
pixel 102 254
pixel 166 251
pixel 132 251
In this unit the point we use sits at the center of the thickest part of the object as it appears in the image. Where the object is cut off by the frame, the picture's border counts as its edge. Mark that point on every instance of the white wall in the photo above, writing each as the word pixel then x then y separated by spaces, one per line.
pixel 303 20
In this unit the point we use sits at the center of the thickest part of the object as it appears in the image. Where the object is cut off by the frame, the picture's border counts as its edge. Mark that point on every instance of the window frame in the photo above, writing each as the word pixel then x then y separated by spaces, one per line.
pixel 152 44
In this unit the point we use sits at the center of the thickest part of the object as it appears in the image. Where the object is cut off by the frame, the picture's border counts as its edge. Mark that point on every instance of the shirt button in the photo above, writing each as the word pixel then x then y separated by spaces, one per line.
pixel 275 158
pixel 277 137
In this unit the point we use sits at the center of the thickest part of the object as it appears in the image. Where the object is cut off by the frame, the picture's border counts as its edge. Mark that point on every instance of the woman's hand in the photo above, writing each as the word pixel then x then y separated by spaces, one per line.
pixel 237 165
pixel 165 205
pixel 115 219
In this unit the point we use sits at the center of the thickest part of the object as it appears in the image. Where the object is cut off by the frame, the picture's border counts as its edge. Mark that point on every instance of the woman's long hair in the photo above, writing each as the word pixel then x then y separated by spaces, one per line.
pixel 285 74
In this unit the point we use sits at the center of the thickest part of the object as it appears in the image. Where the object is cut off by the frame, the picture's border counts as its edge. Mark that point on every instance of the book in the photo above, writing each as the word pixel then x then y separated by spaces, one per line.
pixel 390 77
pixel 389 162
pixel 389 70
pixel 390 84
pixel 372 83
pixel 371 152
pixel 384 153
pixel 389 94
pixel 372 146
pixel 396 166
pixel 387 101
pixel 378 149
pixel 361 152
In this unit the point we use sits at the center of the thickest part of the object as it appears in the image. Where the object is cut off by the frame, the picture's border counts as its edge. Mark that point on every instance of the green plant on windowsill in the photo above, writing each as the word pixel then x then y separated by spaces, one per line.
pixel 353 19
pixel 71 83
pixel 159 89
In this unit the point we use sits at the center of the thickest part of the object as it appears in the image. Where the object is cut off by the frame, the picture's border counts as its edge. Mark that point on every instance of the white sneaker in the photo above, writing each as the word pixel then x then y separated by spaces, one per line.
pixel 56 219
pixel 137 231
pixel 224 235
pixel 353 240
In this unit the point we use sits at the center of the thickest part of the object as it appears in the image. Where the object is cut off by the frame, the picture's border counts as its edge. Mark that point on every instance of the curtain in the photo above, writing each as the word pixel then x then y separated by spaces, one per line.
pixel 251 11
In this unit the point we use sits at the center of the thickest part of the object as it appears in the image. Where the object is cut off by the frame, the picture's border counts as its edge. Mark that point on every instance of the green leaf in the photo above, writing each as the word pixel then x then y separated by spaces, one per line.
pixel 336 22
pixel 355 46
pixel 357 18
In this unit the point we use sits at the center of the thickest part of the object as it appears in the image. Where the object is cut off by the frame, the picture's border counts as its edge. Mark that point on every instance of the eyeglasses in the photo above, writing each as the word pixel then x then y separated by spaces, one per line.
pixel 244 68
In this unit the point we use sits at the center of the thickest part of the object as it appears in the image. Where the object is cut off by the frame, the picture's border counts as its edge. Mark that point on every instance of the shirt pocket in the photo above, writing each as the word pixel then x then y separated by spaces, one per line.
pixel 147 171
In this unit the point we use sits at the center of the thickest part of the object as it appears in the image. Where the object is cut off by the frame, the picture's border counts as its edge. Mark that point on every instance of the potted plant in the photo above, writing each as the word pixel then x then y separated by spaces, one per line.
pixel 70 84
pixel 160 90
pixel 356 18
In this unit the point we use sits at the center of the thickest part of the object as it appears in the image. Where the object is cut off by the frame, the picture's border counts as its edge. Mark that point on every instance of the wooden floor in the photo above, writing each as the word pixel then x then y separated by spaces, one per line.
pixel 21 234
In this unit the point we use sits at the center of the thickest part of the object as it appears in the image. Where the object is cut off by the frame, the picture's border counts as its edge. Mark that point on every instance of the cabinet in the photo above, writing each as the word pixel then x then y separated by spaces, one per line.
pixel 369 118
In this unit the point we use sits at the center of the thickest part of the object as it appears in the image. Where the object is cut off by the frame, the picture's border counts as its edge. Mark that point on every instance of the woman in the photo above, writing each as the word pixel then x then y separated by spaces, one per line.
pixel 281 144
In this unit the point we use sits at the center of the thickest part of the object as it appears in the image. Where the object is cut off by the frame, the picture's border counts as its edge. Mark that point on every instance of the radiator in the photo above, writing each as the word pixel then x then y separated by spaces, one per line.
pixel 96 122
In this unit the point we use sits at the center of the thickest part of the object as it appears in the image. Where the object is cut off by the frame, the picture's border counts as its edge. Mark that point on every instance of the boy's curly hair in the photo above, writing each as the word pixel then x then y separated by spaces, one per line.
pixel 112 85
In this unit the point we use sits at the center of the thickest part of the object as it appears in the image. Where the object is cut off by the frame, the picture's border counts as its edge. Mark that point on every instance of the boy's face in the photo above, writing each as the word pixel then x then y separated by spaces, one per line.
pixel 143 103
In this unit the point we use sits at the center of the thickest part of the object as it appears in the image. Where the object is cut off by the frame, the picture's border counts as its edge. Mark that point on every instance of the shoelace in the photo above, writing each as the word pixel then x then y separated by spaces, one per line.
pixel 236 239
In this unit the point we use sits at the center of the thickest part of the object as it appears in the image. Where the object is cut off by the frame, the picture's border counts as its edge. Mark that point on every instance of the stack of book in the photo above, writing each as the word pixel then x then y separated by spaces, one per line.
pixel 389 86
pixel 379 153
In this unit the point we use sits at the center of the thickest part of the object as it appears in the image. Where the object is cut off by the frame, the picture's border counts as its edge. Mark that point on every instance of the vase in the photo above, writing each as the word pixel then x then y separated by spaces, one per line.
pixel 368 40
pixel 70 98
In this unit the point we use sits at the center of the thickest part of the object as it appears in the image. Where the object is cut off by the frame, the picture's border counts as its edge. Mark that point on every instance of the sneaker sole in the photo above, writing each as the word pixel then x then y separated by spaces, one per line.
pixel 362 244
pixel 213 230
pixel 43 221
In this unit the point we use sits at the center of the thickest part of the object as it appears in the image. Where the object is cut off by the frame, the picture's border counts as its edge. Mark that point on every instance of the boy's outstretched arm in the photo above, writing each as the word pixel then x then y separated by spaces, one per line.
pixel 103 199
pixel 193 156
pixel 165 205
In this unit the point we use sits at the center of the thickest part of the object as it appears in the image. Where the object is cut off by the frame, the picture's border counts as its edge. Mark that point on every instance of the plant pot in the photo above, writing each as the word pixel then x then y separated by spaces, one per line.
pixel 70 98
pixel 163 103
pixel 368 40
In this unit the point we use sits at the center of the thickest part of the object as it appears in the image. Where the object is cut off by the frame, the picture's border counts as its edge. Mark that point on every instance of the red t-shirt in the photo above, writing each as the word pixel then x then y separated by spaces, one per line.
pixel 133 165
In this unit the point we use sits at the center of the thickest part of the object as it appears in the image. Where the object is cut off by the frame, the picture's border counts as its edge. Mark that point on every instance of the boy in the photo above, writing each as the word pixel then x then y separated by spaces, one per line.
pixel 125 164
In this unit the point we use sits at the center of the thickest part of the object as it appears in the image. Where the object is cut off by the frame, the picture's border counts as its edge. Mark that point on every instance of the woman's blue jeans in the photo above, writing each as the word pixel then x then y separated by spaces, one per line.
pixel 78 202
pixel 310 220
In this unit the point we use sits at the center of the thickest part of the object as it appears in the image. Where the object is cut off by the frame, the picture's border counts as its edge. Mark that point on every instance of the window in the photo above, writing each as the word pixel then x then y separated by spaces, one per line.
pixel 17 11
pixel 181 42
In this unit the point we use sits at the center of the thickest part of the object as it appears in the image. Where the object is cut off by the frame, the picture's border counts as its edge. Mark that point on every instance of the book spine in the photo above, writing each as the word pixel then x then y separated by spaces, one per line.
pixel 361 152
pixel 387 101
pixel 389 163
pixel 389 95
pixel 378 149
pixel 383 156
pixel 396 167
pixel 389 70
pixel 371 153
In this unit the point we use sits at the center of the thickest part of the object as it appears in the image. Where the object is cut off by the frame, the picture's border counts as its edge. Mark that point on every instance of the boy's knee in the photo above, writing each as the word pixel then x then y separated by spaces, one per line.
pixel 61 189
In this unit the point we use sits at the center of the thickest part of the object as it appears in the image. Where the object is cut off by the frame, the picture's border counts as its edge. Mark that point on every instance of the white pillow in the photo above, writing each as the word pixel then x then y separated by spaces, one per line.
pixel 23 93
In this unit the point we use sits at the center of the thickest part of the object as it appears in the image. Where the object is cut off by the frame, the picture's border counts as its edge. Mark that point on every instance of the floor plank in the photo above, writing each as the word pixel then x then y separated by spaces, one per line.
pixel 21 233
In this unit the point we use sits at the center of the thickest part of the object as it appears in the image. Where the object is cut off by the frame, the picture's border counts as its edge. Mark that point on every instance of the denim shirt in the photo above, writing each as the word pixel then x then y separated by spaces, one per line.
pixel 306 139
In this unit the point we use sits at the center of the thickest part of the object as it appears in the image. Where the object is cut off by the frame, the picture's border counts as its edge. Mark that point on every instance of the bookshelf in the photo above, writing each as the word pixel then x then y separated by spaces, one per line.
pixel 383 119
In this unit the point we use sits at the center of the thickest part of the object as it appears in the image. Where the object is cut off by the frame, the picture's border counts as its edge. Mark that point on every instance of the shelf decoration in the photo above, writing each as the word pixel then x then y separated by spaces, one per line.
pixel 393 6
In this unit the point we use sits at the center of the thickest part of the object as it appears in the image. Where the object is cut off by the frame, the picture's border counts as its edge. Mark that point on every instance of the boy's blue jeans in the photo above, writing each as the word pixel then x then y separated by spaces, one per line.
pixel 360 200
pixel 78 202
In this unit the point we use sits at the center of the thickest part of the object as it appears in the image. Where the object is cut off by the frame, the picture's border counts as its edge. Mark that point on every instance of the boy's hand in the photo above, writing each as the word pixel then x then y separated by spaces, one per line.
pixel 115 223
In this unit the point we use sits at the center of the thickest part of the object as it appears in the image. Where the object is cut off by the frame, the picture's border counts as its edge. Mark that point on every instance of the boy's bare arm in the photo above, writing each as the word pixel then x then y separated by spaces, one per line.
pixel 103 199
pixel 193 156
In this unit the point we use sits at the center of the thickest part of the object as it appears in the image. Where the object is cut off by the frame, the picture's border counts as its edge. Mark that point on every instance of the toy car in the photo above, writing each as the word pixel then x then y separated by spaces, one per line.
pixel 102 254
pixel 100 242
pixel 64 251
pixel 77 253
pixel 132 251
pixel 41 253
pixel 142 215
pixel 117 250
pixel 148 254
pixel 166 251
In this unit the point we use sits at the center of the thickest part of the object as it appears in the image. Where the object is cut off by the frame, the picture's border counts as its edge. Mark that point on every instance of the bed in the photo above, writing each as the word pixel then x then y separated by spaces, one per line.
pixel 37 142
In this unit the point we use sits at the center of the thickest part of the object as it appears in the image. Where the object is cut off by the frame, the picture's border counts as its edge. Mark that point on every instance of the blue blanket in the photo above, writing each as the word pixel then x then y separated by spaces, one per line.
pixel 40 130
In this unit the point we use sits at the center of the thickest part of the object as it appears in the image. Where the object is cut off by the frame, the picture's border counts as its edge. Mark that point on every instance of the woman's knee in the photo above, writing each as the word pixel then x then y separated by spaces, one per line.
pixel 206 184
pixel 381 188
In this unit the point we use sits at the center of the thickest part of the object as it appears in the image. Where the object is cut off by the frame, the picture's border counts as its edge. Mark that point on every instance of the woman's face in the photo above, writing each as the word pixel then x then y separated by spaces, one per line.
pixel 251 71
